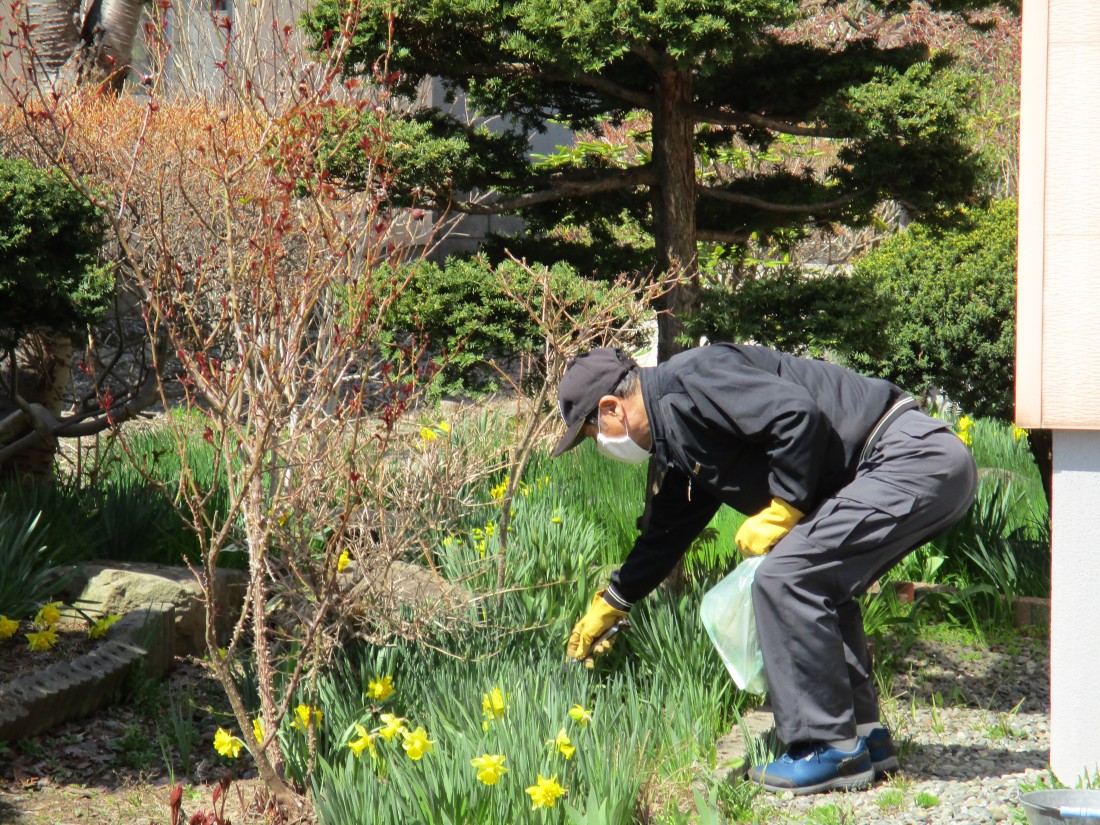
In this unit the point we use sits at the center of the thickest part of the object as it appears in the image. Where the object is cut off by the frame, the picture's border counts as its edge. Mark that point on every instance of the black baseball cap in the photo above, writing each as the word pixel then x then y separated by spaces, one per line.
pixel 587 379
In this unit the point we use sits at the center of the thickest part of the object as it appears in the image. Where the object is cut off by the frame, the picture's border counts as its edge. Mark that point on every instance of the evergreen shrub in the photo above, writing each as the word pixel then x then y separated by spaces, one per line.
pixel 462 312
pixel 952 296
pixel 50 240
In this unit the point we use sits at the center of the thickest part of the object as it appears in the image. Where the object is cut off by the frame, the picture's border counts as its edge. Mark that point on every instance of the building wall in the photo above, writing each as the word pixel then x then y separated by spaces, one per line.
pixel 1058 342
pixel 1058 373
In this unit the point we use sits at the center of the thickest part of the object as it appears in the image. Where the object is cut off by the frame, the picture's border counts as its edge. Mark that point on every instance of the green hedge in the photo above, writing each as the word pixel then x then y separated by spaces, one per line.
pixel 952 296
pixel 50 239
pixel 461 311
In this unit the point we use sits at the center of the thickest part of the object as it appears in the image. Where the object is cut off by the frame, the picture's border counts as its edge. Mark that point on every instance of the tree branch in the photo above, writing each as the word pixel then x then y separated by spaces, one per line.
pixel 558 188
pixel 647 53
pixel 728 118
pixel 787 208
pixel 46 425
pixel 591 81
pixel 719 236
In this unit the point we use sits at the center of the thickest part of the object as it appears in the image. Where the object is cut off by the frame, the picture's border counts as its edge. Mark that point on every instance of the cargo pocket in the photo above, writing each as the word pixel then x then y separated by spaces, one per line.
pixel 861 514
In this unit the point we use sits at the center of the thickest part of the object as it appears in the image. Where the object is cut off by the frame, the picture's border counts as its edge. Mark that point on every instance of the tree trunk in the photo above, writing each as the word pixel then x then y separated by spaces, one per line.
pixel 43 368
pixel 674 234
pixel 119 20
pixel 55 36
pixel 106 44
pixel 674 205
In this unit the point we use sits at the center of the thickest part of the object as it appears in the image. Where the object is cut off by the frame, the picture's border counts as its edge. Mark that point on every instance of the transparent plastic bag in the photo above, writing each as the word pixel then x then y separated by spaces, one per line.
pixel 726 611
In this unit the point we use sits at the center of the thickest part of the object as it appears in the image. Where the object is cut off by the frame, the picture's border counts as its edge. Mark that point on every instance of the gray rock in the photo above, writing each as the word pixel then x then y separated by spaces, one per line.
pixel 124 587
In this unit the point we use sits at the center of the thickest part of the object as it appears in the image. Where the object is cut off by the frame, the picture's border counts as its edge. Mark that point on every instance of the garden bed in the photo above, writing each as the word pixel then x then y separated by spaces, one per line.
pixel 37 699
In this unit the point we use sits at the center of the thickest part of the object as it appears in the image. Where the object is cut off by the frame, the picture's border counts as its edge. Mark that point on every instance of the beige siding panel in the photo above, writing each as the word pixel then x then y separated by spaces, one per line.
pixel 1073 122
pixel 1071 332
pixel 1077 21
pixel 1032 209
pixel 1058 297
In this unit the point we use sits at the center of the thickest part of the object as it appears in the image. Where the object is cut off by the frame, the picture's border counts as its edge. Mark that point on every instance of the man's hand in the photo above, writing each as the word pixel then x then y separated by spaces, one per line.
pixel 761 532
pixel 600 618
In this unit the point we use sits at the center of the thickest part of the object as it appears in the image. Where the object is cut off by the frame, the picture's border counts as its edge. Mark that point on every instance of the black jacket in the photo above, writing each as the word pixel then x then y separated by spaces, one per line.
pixel 739 425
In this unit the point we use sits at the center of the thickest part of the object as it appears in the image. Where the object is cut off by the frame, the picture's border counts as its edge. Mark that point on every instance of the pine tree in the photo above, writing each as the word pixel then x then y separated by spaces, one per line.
pixel 718 84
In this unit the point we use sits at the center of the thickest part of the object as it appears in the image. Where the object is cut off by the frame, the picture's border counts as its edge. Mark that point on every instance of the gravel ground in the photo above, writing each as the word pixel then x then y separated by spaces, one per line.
pixel 972 725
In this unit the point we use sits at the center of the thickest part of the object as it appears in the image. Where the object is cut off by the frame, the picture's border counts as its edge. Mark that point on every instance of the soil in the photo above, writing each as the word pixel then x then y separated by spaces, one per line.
pixel 119 766
pixel 16 660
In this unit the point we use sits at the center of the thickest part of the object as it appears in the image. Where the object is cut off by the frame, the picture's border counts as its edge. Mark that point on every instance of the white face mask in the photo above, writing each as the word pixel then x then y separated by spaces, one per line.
pixel 622 448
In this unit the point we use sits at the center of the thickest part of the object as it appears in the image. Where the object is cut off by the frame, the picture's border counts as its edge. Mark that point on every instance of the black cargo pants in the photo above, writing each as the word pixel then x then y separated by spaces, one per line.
pixel 915 483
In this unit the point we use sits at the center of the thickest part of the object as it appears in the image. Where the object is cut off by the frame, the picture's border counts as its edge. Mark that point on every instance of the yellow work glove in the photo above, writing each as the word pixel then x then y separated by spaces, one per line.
pixel 599 619
pixel 761 532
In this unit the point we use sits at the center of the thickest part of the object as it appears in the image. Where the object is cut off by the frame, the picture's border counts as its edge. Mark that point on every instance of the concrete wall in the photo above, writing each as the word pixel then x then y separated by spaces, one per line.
pixel 1074 613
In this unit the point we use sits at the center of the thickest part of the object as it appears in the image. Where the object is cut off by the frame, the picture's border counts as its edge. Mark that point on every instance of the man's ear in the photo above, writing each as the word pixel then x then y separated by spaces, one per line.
pixel 611 405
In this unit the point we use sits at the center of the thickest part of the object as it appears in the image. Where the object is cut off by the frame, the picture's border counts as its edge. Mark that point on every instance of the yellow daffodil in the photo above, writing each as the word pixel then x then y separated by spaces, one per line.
pixel 545 792
pixel 965 423
pixel 8 627
pixel 227 744
pixel 43 640
pixel 391 726
pixel 49 615
pixel 428 434
pixel 380 689
pixel 493 705
pixel 490 767
pixel 364 742
pixel 417 743
pixel 1018 433
pixel 580 715
pixel 562 743
pixel 343 561
pixel 498 492
pixel 302 714
pixel 258 729
pixel 100 627
pixel 966 438
pixel 480 547
pixel 444 427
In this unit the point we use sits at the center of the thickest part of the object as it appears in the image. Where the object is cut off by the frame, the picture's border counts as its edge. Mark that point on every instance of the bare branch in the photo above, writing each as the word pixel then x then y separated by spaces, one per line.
pixel 770 206
pixel 718 236
pixel 560 187
pixel 708 114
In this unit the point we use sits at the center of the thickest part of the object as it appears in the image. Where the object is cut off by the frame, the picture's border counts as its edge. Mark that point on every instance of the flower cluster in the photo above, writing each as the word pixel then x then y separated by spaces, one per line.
pixel 432 433
pixel 415 743
pixel 964 424
pixel 43 636
pixel 523 488
pixel 230 746
pixel 489 767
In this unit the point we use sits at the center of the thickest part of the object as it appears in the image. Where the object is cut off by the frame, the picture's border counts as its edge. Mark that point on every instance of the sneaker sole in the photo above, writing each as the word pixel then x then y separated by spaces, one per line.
pixel 855 782
pixel 886 766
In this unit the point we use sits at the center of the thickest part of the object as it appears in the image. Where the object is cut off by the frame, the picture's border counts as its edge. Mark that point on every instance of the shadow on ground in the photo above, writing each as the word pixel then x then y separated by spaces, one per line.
pixel 966 762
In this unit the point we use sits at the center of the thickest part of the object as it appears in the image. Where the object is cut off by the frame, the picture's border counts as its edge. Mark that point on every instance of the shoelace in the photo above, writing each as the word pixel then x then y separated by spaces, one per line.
pixel 804 752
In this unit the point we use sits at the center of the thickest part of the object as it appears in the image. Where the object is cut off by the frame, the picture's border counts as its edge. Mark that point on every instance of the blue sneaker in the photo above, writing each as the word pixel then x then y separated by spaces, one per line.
pixel 884 756
pixel 815 767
